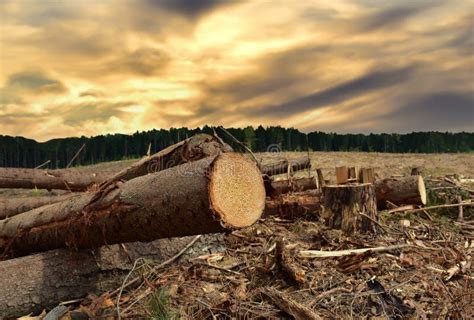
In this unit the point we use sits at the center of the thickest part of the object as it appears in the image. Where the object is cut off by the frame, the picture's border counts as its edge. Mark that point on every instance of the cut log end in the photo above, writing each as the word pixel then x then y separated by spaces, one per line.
pixel 422 189
pixel 236 190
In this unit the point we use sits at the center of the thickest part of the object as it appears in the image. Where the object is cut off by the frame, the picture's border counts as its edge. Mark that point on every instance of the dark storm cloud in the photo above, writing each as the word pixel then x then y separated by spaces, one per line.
pixel 463 39
pixel 276 72
pixel 91 93
pixel 100 111
pixel 188 8
pixel 394 16
pixel 437 111
pixel 34 81
pixel 372 81
pixel 29 83
pixel 144 61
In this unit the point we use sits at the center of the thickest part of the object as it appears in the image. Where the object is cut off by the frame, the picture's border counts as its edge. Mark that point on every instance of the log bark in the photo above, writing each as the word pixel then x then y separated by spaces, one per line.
pixel 293 185
pixel 296 204
pixel 205 196
pixel 350 208
pixel 33 283
pixel 64 179
pixel 282 166
pixel 194 148
pixel 13 206
pixel 305 204
pixel 400 191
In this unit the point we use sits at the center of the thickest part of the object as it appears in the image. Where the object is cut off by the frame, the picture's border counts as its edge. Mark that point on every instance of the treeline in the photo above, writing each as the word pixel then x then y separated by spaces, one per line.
pixel 22 152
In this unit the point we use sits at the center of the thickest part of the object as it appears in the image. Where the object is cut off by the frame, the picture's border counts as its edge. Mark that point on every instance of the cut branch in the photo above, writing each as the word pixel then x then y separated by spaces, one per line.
pixel 64 179
pixel 205 196
pixel 341 253
pixel 282 166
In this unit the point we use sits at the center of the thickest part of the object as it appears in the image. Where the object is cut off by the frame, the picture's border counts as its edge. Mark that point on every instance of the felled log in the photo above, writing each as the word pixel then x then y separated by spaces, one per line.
pixel 282 166
pixel 194 148
pixel 13 206
pixel 191 149
pixel 400 191
pixel 279 204
pixel 64 179
pixel 294 205
pixel 205 196
pixel 32 283
pixel 293 185
pixel 350 208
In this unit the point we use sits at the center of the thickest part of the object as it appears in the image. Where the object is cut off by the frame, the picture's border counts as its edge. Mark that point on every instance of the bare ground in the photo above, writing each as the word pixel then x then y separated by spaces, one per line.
pixel 431 278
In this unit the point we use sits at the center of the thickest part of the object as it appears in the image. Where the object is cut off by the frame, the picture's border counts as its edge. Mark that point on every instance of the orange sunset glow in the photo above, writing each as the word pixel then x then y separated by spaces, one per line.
pixel 70 68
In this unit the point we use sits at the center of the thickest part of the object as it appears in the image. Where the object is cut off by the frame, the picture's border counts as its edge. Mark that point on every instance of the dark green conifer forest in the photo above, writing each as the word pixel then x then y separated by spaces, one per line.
pixel 28 153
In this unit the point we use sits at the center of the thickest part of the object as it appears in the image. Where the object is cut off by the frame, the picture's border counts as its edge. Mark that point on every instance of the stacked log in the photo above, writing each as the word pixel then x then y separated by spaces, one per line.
pixel 63 179
pixel 282 166
pixel 205 196
pixel 197 147
pixel 400 191
pixel 292 185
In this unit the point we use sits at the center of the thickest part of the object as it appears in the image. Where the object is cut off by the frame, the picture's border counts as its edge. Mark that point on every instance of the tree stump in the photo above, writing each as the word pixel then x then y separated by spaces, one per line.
pixel 347 207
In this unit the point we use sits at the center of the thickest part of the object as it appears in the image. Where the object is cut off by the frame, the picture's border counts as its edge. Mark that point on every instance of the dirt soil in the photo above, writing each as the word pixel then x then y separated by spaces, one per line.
pixel 430 278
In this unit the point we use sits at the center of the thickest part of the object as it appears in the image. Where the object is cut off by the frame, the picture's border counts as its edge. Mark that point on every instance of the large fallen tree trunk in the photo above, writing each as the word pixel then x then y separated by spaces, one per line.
pixel 194 148
pixel 30 284
pixel 205 196
pixel 65 179
pixel 400 191
pixel 12 206
pixel 278 190
pixel 282 166
pixel 191 149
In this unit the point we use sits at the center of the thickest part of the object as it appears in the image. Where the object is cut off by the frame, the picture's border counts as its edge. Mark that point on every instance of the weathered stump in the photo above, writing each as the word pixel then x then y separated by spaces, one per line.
pixel 350 207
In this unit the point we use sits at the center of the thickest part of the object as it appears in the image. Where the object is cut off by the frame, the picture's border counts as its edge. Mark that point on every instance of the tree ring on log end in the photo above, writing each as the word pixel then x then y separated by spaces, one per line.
pixel 422 189
pixel 236 190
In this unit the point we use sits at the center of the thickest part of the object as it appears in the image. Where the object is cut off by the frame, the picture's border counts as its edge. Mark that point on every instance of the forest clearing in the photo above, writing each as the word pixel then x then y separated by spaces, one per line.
pixel 248 236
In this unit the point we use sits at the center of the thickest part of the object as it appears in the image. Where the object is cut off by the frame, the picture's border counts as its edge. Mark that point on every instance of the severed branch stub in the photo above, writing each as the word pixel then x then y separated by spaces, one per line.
pixel 288 263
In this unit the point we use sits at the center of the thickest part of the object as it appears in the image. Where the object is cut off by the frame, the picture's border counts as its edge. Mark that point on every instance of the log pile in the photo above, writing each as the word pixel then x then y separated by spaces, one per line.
pixel 63 247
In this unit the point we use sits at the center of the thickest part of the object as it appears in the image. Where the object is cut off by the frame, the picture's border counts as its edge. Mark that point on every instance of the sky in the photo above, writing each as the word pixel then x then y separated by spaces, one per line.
pixel 71 68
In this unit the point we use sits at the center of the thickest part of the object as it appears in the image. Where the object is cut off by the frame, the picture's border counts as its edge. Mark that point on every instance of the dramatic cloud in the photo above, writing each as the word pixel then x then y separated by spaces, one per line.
pixel 86 68
pixel 371 81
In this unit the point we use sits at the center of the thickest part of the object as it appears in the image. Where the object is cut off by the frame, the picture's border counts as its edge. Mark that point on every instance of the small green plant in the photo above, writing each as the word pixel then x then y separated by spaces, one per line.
pixel 159 306
pixel 37 192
